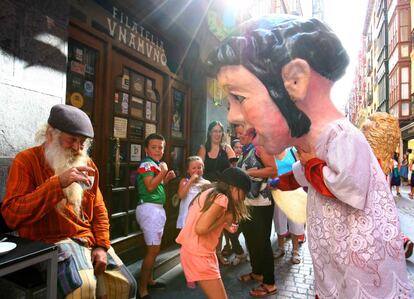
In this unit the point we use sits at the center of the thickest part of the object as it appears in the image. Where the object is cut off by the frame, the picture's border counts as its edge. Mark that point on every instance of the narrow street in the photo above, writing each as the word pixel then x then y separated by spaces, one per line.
pixel 293 281
pixel 406 211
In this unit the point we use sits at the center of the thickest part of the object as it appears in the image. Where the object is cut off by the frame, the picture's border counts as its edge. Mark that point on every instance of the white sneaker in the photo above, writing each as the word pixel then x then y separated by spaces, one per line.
pixel 238 259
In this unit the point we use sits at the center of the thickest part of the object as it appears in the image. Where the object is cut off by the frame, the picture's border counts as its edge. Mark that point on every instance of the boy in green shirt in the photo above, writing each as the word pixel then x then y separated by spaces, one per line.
pixel 150 213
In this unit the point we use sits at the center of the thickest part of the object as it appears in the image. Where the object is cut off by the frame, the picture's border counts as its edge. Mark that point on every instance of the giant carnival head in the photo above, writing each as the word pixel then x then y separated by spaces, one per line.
pixel 382 131
pixel 251 64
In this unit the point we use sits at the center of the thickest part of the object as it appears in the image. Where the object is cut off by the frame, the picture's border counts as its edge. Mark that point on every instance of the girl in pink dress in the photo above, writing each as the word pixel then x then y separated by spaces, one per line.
pixel 213 210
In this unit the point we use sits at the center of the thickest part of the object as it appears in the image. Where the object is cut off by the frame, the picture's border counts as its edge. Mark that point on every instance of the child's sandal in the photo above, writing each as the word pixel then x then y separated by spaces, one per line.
pixel 295 259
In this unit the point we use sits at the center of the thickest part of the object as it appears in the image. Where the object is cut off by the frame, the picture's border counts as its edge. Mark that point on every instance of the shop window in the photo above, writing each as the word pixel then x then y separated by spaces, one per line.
pixel 405 50
pixel 405 109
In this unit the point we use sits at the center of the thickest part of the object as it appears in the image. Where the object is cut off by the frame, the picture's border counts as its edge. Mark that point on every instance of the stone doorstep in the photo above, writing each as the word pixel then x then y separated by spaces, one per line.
pixel 165 261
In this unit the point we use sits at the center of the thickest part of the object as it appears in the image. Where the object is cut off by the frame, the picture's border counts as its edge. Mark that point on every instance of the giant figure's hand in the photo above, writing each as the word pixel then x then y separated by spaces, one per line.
pixel 304 157
pixel 98 257
pixel 75 174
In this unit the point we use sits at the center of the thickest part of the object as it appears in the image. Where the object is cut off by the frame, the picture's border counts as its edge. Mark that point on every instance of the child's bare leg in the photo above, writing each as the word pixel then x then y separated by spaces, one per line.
pixel 280 250
pixel 295 242
pixel 147 267
pixel 219 244
pixel 214 289
pixel 295 252
pixel 221 258
pixel 281 242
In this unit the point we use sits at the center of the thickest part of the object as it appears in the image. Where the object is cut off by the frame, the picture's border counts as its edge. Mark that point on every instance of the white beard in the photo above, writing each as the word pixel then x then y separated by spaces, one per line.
pixel 60 160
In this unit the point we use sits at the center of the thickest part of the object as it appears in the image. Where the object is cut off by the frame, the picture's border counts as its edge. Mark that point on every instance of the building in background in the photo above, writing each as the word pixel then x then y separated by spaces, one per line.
pixel 407 130
pixel 364 93
pixel 318 9
pixel 383 79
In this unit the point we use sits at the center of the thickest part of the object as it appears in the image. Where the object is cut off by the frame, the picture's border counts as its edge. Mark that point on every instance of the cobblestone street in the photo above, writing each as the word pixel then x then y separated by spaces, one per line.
pixel 293 281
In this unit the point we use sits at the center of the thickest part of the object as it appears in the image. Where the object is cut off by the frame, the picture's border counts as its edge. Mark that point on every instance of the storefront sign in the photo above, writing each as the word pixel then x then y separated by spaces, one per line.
pixel 130 33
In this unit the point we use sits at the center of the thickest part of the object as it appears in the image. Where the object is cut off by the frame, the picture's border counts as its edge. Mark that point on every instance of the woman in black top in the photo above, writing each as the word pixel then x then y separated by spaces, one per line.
pixel 215 153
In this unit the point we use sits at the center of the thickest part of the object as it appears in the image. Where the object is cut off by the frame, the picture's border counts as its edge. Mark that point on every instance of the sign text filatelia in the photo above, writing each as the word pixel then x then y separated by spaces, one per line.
pixel 136 37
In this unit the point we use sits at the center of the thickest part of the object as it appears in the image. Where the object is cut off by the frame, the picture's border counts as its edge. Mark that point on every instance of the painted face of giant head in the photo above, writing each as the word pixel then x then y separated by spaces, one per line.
pixel 251 106
pixel 250 64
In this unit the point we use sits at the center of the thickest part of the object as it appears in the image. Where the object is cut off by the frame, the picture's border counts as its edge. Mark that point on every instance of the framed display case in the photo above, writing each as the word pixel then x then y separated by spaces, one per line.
pixel 136 105
pixel 81 77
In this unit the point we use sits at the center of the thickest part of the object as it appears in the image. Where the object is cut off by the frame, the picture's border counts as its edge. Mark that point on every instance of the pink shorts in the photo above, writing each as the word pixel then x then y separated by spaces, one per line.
pixel 198 267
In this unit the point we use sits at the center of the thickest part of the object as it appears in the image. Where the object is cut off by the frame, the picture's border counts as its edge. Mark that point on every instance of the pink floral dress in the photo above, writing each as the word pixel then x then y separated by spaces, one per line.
pixel 355 239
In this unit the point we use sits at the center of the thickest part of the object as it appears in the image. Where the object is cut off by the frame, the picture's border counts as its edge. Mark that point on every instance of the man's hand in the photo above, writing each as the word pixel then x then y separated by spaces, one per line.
pixel 98 257
pixel 75 174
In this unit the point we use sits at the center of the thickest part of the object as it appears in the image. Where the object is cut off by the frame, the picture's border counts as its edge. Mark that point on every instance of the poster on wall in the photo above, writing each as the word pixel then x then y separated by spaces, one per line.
pixel 125 80
pixel 135 152
pixel 120 127
pixel 137 107
pixel 149 129
pixel 136 130
pixel 148 111
pixel 121 102
pixel 153 111
pixel 177 124
pixel 137 84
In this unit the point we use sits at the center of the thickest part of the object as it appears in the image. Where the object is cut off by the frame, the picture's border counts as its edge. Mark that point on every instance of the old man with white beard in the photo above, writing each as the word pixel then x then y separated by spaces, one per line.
pixel 53 195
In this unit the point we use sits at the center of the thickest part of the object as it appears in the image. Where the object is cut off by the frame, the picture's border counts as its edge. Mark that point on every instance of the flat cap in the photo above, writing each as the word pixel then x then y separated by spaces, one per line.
pixel 71 120
pixel 236 177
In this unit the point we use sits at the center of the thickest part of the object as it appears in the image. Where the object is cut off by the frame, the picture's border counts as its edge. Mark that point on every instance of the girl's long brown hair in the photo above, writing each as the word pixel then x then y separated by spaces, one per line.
pixel 236 207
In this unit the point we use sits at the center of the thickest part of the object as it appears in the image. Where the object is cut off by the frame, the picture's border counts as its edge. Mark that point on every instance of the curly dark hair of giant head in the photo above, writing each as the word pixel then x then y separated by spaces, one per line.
pixel 265 45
